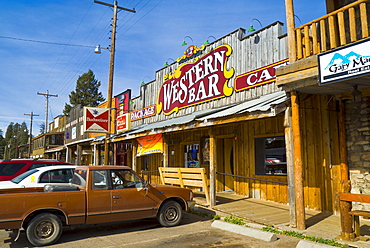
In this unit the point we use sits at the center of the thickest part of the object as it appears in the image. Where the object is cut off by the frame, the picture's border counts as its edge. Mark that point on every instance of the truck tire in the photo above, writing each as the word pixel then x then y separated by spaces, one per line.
pixel 170 214
pixel 44 229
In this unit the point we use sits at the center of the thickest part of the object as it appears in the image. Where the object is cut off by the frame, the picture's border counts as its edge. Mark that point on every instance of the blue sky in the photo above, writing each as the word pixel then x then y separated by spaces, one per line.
pixel 145 40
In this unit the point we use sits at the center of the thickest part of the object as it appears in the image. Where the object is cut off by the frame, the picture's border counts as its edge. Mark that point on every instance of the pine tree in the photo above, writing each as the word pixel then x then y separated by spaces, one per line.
pixel 86 93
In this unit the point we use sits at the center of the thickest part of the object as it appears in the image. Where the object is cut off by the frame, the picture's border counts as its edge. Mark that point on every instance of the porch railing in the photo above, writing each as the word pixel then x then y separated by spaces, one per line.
pixel 343 26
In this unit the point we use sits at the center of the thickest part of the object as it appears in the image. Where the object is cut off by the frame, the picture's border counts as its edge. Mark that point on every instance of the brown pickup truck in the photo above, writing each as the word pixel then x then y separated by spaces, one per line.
pixel 97 194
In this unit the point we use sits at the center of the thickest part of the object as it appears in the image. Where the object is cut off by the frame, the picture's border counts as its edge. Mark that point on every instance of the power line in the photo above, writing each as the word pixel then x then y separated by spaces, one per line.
pixel 45 42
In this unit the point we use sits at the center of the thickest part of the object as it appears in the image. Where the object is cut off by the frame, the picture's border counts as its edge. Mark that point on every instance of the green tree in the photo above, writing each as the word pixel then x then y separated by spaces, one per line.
pixel 42 128
pixel 86 92
pixel 16 135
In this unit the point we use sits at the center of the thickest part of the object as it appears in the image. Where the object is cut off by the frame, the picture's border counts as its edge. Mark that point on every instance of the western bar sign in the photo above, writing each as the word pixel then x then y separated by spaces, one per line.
pixel 96 120
pixel 345 63
pixel 196 82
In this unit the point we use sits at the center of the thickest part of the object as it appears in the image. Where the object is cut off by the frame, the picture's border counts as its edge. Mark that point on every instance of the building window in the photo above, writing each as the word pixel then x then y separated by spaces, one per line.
pixel 270 155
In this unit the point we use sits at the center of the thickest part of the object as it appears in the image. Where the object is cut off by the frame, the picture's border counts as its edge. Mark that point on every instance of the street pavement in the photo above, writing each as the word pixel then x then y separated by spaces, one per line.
pixel 194 231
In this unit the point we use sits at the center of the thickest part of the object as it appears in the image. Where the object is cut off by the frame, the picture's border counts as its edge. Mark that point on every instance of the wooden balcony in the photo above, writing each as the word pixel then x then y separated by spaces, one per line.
pixel 341 27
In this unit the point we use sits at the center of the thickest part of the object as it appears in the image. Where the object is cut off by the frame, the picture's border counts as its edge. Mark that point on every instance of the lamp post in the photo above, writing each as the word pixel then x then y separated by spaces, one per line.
pixel 111 70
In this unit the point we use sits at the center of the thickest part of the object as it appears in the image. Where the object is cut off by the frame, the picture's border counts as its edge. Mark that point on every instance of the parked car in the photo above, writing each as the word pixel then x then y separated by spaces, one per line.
pixel 11 168
pixel 97 194
pixel 57 174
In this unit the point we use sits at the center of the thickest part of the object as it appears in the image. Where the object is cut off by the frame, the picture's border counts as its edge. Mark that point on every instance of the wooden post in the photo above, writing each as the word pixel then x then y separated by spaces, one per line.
pixel 345 206
pixel 134 150
pixel 298 170
pixel 290 165
pixel 212 167
pixel 165 151
pixel 289 9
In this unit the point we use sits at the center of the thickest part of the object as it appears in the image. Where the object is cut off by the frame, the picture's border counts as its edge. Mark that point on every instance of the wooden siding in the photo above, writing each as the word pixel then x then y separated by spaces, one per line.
pixel 319 130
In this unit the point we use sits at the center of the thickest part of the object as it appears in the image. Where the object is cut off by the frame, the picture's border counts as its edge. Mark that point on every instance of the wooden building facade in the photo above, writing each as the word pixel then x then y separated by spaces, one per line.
pixel 244 117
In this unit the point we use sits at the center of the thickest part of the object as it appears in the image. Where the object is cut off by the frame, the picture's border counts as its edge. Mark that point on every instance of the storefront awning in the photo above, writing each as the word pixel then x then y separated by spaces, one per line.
pixel 262 104
pixel 55 149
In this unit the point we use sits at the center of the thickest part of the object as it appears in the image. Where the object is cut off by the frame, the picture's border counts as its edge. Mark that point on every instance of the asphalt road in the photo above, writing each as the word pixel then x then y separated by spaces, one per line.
pixel 194 231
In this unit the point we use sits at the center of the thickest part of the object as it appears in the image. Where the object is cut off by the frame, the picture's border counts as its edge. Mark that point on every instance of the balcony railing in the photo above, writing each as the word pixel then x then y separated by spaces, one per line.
pixel 343 26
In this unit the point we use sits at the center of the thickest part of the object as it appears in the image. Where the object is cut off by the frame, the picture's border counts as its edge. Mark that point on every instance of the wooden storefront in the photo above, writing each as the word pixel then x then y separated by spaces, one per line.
pixel 237 159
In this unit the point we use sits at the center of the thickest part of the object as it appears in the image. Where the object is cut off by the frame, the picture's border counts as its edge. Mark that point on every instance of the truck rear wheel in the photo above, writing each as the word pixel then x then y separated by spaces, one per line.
pixel 170 214
pixel 44 229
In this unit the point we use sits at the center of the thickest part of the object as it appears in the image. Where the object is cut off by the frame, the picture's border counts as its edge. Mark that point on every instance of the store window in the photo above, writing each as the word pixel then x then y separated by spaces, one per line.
pixel 270 155
pixel 191 156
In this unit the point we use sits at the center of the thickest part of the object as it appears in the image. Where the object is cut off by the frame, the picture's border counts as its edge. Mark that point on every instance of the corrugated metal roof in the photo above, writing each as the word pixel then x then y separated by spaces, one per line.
pixel 263 103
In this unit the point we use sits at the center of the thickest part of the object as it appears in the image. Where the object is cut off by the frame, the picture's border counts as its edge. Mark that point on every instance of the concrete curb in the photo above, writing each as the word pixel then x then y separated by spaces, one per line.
pixel 310 244
pixel 247 231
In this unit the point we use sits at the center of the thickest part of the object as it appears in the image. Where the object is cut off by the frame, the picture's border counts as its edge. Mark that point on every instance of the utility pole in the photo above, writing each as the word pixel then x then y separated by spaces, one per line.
pixel 111 69
pixel 30 138
pixel 47 95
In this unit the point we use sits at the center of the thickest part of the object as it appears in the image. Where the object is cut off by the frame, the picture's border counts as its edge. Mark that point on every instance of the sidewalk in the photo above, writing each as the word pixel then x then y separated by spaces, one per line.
pixel 318 224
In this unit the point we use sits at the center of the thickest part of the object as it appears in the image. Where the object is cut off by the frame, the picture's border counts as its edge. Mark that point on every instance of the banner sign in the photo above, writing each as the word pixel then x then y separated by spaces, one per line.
pixel 150 144
pixel 197 82
pixel 260 76
pixel 143 113
pixel 345 63
pixel 96 120
pixel 123 123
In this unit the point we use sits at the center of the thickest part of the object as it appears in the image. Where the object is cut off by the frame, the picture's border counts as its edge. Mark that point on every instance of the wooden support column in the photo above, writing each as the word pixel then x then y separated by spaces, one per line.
pixel 165 150
pixel 298 170
pixel 289 9
pixel 134 158
pixel 115 153
pixel 212 167
pixel 290 165
pixel 79 155
pixel 345 206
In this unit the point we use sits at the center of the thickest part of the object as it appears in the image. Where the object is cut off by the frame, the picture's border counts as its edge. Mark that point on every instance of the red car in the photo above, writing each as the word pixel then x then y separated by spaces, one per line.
pixel 11 168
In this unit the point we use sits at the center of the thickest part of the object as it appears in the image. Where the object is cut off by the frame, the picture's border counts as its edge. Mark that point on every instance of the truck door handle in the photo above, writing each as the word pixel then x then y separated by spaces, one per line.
pixel 116 197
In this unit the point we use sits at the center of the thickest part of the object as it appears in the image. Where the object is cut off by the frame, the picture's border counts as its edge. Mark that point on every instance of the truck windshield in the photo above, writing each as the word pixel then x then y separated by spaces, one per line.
pixel 79 178
pixel 19 178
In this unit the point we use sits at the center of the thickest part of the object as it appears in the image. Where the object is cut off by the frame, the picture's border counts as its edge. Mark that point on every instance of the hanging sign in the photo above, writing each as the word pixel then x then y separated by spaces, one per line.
pixel 96 120
pixel 150 144
pixel 260 76
pixel 345 63
pixel 197 82
pixel 123 123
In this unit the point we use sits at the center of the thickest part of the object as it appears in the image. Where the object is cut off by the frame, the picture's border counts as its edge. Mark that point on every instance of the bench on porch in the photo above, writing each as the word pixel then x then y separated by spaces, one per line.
pixel 356 213
pixel 192 177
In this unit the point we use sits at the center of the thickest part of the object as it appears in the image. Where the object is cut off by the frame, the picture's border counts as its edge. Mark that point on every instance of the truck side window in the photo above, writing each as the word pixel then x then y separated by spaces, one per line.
pixel 99 178
pixel 122 179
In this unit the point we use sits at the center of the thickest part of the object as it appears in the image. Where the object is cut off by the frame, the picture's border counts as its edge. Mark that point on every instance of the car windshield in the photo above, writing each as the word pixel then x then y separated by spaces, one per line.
pixel 19 178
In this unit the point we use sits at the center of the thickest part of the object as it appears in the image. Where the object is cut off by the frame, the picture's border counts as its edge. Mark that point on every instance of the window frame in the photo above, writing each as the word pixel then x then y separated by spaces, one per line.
pixel 260 157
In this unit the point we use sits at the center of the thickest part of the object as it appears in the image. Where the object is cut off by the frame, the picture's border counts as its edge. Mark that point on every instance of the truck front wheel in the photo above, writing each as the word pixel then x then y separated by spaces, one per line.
pixel 170 214
pixel 44 229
